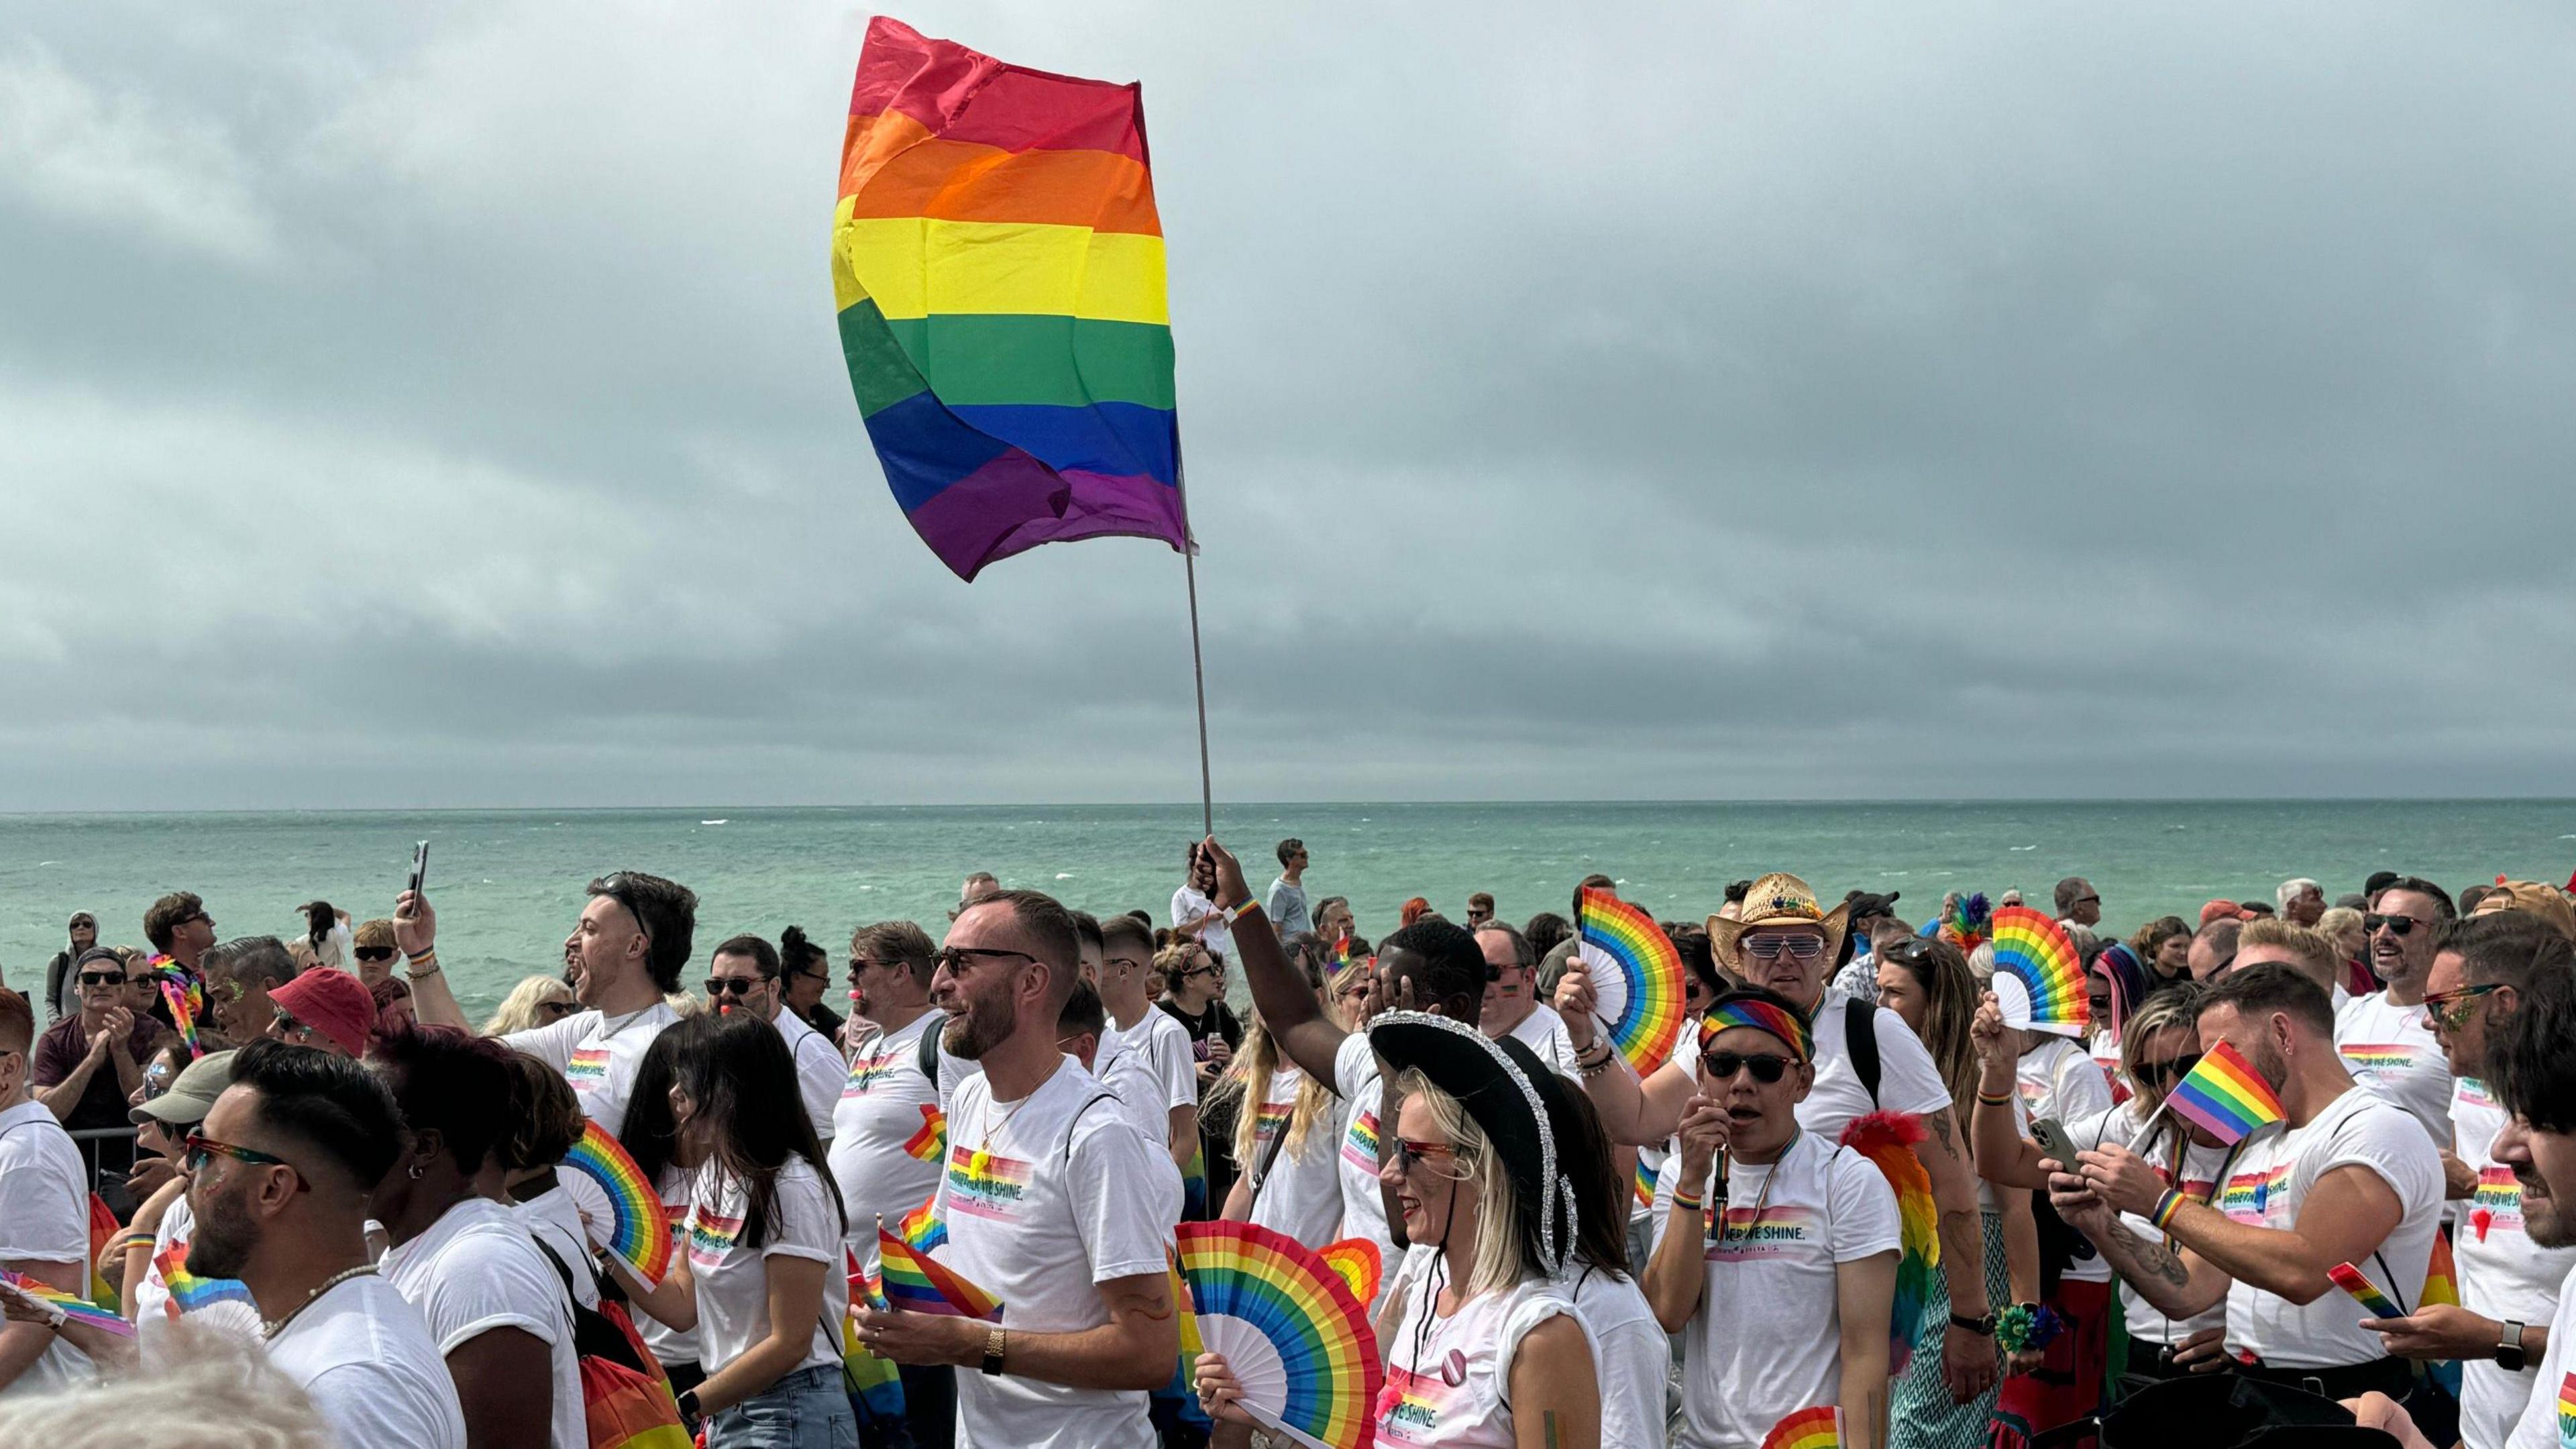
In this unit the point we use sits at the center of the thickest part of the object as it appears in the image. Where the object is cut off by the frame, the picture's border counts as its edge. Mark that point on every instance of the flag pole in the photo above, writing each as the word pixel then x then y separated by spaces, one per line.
pixel 1198 677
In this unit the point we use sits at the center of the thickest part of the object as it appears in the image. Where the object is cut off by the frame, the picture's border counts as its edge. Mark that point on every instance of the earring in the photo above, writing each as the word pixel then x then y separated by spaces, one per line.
pixel 418 1172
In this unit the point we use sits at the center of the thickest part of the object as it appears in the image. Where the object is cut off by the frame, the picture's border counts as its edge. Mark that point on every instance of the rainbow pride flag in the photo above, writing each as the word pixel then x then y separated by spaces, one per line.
pixel 923 1228
pixel 192 1294
pixel 2225 1097
pixel 930 1142
pixel 915 1281
pixel 997 263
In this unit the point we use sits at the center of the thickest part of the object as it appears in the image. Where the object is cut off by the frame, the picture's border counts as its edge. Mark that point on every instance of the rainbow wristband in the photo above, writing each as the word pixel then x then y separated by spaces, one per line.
pixel 1689 1204
pixel 2166 1206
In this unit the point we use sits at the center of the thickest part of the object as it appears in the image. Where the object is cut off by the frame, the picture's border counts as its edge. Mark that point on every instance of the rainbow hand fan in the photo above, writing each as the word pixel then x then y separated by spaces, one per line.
pixel 912 1280
pixel 2039 982
pixel 1636 978
pixel 61 1305
pixel 1357 1261
pixel 642 1235
pixel 1290 1327
pixel 1887 1139
pixel 1817 1428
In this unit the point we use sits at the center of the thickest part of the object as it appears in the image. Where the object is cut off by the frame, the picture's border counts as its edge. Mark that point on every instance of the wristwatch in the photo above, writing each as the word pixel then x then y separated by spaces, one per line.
pixel 2509 1354
pixel 994 1343
pixel 688 1404
pixel 1983 1325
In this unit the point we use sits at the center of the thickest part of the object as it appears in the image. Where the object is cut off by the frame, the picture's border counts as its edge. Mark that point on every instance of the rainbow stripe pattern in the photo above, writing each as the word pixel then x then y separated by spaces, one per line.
pixel 1762 1016
pixel 912 1280
pixel 68 1305
pixel 1817 1428
pixel 2225 1097
pixel 185 995
pixel 190 1293
pixel 1887 1139
pixel 103 1230
pixel 997 263
pixel 923 1228
pixel 2567 1409
pixel 931 1140
pixel 642 1226
pixel 2039 980
pixel 1636 978
pixel 2441 1276
pixel 1645 1183
pixel 2362 1291
pixel 1251 1287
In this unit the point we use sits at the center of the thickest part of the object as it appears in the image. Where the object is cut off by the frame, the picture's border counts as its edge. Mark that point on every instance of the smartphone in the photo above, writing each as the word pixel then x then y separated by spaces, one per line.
pixel 419 866
pixel 2053 1142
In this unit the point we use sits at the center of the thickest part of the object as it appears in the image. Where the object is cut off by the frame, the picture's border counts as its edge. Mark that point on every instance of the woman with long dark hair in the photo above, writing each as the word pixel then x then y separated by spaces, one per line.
pixel 651 1135
pixel 761 1278
pixel 463 1258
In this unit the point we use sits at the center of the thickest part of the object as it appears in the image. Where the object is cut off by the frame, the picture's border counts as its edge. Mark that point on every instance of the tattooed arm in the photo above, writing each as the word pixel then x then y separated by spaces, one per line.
pixel 1555 1395
pixel 1967 1358
pixel 2176 1281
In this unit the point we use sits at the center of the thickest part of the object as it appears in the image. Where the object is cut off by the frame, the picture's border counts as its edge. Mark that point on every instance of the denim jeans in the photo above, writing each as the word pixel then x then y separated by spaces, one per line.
pixel 805 1410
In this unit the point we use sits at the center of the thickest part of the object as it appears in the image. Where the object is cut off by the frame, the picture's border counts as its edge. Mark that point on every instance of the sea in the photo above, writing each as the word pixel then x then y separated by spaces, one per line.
pixel 508 884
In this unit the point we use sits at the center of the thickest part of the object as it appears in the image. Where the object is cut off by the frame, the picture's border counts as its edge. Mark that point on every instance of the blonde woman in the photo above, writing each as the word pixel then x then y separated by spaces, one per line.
pixel 535 1001
pixel 1484 1347
pixel 1285 1145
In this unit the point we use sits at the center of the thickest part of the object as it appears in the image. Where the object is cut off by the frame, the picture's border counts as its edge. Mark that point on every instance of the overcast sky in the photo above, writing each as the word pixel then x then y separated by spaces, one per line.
pixel 444 407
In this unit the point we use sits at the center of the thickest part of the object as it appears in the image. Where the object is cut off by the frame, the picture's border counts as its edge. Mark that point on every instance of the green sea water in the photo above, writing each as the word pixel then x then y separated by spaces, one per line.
pixel 508 884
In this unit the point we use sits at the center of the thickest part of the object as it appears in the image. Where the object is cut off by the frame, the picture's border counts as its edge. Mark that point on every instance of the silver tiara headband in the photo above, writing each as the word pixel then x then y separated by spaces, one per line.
pixel 1547 1174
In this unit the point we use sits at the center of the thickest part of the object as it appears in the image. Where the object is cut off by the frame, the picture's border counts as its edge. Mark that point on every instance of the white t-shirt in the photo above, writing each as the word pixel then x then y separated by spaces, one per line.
pixel 1543 1032
pixel 2274 1172
pixel 1044 1199
pixel 2503 1274
pixel 367 1359
pixel 2390 1049
pixel 1448 1380
pixel 1356 1079
pixel 44 1218
pixel 2201 1168
pixel 819 1070
pixel 2548 1421
pixel 1187 906
pixel 1302 1194
pixel 733 1277
pixel 1630 1350
pixel 555 1218
pixel 597 1055
pixel 886 1103
pixel 1907 1080
pixel 1150 1067
pixel 671 1345
pixel 1787 1227
pixel 475 1270
pixel 2059 1079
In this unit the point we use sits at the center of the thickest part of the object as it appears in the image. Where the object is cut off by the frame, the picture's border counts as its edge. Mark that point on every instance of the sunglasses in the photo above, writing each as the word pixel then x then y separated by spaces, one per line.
pixel 102 978
pixel 1799 947
pixel 1766 1067
pixel 2088 900
pixel 2172 1069
pixel 285 1024
pixel 955 959
pixel 1410 1154
pixel 1198 971
pixel 2397 925
pixel 2449 1010
pixel 558 1010
pixel 199 1149
pixel 375 953
pixel 732 985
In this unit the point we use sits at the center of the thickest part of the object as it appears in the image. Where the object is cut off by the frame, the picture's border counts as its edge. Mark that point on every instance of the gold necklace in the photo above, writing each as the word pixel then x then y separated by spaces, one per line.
pixel 981 1163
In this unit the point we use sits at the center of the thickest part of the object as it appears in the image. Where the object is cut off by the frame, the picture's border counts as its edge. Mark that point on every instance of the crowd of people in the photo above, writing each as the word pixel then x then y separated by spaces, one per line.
pixel 342 1214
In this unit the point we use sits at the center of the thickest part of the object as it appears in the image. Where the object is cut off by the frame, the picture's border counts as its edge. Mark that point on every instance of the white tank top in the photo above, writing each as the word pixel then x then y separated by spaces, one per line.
pixel 1448 1380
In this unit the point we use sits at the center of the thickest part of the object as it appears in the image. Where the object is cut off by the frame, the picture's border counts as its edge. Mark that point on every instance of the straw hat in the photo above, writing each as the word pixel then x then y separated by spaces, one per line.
pixel 1777 899
pixel 2532 898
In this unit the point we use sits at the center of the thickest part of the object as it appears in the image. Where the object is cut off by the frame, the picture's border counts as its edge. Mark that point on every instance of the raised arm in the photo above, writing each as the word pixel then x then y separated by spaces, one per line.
pixel 1296 1021
pixel 2004 1157
pixel 1634 1113
pixel 416 936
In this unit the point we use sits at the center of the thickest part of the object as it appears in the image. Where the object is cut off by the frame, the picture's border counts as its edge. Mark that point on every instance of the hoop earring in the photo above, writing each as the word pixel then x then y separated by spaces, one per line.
pixel 418 1172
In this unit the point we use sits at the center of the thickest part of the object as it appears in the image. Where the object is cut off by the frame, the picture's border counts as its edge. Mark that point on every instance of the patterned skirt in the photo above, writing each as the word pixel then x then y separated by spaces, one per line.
pixel 1921 1415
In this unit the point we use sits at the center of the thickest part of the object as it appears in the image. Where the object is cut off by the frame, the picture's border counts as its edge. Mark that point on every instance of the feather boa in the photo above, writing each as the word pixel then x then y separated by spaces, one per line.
pixel 1887 1139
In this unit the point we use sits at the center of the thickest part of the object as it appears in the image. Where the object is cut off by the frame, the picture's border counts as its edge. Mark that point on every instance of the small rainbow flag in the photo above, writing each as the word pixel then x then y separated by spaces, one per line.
pixel 923 1228
pixel 1645 1183
pixel 917 1282
pixel 190 1293
pixel 2364 1292
pixel 931 1142
pixel 1818 1428
pixel 2225 1097
pixel 103 1230
pixel 185 995
pixel 69 1306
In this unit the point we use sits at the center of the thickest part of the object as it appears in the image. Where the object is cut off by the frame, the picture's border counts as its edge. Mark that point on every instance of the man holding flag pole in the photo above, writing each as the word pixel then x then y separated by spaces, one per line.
pixel 2328 1175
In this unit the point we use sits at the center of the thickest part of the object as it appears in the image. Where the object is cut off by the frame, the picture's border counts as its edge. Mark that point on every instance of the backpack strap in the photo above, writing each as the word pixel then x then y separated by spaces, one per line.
pixel 1078 1114
pixel 1860 1039
pixel 926 1054
pixel 593 1334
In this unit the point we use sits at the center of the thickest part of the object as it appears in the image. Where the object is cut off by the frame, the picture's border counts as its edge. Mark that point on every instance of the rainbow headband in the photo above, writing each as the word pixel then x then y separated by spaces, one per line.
pixel 1764 1016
